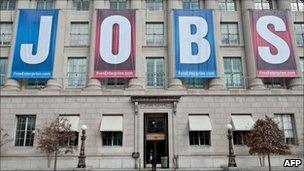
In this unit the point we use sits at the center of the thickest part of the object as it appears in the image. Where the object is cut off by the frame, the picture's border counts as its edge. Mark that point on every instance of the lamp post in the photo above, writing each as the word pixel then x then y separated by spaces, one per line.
pixel 81 157
pixel 231 156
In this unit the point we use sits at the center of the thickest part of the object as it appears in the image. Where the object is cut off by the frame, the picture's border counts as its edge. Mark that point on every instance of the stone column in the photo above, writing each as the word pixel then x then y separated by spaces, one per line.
pixel 216 83
pixel 252 80
pixel 137 83
pixel 174 83
pixel 93 83
pixel 294 83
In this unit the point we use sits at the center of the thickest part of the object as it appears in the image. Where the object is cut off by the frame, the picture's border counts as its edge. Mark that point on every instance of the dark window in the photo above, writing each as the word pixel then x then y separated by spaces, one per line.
pixel 111 138
pixel 71 141
pixel 239 137
pixel 194 82
pixel 116 82
pixel 36 83
pixel 286 123
pixel 274 82
pixel 199 137
pixel 25 130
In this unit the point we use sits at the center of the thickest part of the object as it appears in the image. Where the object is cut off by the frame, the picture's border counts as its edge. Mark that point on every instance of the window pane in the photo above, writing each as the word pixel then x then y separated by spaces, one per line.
pixel 285 123
pixel 3 65
pixel 154 5
pixel 233 72
pixel 6 33
pixel 24 131
pixel 8 5
pixel 79 33
pixel 155 34
pixel 194 137
pixel 190 4
pixel 155 72
pixel 76 72
pixel 36 83
pixel 81 5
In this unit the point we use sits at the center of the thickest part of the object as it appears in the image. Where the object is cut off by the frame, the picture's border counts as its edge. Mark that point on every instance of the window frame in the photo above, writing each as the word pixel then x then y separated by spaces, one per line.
pixel 79 5
pixel 300 34
pixel 301 61
pixel 79 35
pixel 293 125
pixel 206 135
pixel 229 33
pixel 262 3
pixel 112 138
pixel 157 83
pixel 242 135
pixel 154 5
pixel 36 83
pixel 118 83
pixel 298 4
pixel 26 132
pixel 118 4
pixel 191 4
pixel 4 69
pixel 195 83
pixel 8 5
pixel 150 27
pixel 230 75
pixel 226 4
pixel 81 77
pixel 8 31
pixel 275 83
pixel 45 4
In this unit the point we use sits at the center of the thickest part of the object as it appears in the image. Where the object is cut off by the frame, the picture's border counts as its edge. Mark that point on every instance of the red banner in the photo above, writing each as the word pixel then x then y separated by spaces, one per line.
pixel 115 44
pixel 272 44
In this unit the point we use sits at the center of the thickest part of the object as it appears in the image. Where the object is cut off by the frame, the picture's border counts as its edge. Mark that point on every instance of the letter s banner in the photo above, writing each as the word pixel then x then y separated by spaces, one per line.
pixel 272 44
pixel 194 44
pixel 115 44
pixel 35 44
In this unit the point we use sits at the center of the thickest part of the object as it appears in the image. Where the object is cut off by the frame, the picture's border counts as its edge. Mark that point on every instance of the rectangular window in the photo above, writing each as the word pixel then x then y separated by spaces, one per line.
pixel 155 72
pixel 81 5
pixel 45 4
pixel 118 4
pixel 116 82
pixel 73 120
pixel 36 83
pixel 3 65
pixel 190 4
pixel 111 138
pixel 286 124
pixel 274 82
pixel 77 72
pixel 79 35
pixel 262 4
pixel 297 5
pixel 154 5
pixel 239 137
pixel 194 82
pixel 233 72
pixel 230 33
pixel 8 5
pixel 155 34
pixel 227 5
pixel 299 32
pixel 199 137
pixel 6 29
pixel 302 66
pixel 25 130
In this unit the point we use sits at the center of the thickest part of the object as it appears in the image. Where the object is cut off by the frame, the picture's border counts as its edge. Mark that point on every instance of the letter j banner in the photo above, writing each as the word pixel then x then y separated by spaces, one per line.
pixel 35 44
pixel 194 44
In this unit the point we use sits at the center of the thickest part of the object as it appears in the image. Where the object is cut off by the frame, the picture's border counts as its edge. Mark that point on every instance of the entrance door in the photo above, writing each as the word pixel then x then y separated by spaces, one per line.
pixel 156 137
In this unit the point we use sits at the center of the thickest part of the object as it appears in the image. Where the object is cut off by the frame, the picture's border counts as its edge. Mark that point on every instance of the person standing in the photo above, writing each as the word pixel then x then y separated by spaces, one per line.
pixel 153 160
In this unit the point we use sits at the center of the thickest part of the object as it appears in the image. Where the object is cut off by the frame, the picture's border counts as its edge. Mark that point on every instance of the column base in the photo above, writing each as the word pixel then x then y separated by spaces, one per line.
pixel 296 84
pixel 11 84
pixel 53 85
pixel 255 84
pixel 93 84
pixel 135 84
pixel 176 84
pixel 217 84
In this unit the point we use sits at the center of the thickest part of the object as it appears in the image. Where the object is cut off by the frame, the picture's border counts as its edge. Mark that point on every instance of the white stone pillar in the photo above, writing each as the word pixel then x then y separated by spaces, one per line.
pixel 252 80
pixel 216 83
pixel 174 83
pixel 294 83
pixel 137 83
pixel 93 83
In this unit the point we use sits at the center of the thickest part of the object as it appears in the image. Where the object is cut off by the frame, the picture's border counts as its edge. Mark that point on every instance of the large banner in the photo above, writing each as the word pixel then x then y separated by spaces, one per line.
pixel 194 44
pixel 272 44
pixel 35 44
pixel 115 44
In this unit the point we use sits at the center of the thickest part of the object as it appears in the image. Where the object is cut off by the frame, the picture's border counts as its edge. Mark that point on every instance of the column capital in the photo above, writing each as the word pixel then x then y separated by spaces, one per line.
pixel 53 84
pixel 135 84
pixel 217 84
pixel 176 84
pixel 296 84
pixel 11 84
pixel 93 84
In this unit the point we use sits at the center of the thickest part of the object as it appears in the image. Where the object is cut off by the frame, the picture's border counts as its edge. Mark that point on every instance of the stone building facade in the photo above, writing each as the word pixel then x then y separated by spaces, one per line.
pixel 184 120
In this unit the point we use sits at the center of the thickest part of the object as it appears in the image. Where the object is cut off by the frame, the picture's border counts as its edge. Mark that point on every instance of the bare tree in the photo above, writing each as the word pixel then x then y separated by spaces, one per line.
pixel 265 139
pixel 4 137
pixel 52 139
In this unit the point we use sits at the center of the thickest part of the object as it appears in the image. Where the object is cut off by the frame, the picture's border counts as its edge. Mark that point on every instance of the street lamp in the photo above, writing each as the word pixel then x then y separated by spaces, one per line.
pixel 81 157
pixel 231 156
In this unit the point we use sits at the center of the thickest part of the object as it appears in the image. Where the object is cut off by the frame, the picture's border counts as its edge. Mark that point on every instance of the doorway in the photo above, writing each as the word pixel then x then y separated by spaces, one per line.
pixel 155 137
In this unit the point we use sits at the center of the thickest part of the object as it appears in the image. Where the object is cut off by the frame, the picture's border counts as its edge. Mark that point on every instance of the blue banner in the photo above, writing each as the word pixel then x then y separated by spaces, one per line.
pixel 194 44
pixel 35 44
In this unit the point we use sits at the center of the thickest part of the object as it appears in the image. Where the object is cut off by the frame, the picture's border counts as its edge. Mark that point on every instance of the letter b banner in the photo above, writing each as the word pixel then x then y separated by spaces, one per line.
pixel 194 44
pixel 35 44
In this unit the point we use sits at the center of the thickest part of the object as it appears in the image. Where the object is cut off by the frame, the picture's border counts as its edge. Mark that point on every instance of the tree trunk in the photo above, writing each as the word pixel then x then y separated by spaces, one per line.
pixel 49 158
pixel 55 161
pixel 269 165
